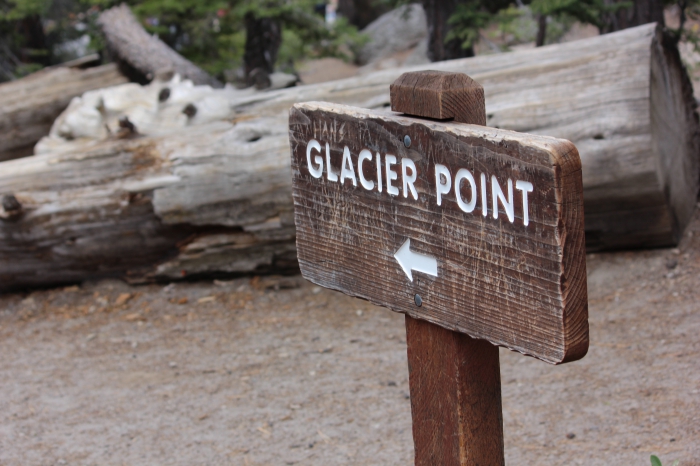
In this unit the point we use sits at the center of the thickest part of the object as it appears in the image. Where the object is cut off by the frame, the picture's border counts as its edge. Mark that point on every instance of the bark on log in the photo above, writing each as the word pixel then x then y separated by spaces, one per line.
pixel 30 105
pixel 216 197
pixel 143 52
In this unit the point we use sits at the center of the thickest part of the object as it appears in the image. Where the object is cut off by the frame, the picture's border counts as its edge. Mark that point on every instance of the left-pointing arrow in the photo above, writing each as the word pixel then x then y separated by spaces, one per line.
pixel 409 260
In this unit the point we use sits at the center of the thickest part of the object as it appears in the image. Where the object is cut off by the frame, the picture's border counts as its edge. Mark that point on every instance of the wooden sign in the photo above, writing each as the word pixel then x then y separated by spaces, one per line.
pixel 474 233
pixel 476 229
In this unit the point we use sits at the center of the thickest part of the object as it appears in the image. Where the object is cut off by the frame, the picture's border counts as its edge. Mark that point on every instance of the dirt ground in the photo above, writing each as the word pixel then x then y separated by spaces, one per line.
pixel 276 371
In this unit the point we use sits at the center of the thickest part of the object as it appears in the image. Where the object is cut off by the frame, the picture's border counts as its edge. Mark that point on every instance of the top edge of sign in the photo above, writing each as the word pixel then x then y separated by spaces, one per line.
pixel 549 144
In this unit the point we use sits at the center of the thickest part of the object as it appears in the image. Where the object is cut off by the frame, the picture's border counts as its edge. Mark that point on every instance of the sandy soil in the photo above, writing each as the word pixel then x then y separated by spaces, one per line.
pixel 276 371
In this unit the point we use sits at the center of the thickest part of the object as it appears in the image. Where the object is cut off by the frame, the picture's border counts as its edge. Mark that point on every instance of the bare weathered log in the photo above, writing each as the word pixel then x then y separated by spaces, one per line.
pixel 31 104
pixel 143 52
pixel 107 210
pixel 199 196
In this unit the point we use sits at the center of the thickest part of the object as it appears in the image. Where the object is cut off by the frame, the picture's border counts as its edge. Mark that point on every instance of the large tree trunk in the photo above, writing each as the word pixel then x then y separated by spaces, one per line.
pixel 361 13
pixel 541 30
pixel 216 197
pixel 640 12
pixel 143 56
pixel 438 13
pixel 32 31
pixel 31 104
pixel 262 42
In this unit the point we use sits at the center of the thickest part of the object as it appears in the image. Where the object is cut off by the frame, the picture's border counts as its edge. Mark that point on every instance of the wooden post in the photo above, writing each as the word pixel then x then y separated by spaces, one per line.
pixel 455 380
pixel 455 385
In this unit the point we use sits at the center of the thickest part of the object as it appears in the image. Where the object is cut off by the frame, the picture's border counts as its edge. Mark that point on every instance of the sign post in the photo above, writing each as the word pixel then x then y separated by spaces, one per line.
pixel 474 233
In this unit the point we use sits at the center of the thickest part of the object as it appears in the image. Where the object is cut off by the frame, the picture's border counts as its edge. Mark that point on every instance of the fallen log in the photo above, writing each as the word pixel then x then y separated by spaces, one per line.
pixel 98 212
pixel 143 53
pixel 202 197
pixel 31 104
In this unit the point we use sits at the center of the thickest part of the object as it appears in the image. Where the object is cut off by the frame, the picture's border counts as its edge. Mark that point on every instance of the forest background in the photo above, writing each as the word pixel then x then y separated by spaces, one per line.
pixel 231 38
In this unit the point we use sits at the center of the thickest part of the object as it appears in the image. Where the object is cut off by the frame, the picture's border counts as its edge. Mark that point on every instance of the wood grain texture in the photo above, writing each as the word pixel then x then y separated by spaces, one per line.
pixel 522 287
pixel 674 123
pixel 455 397
pixel 441 95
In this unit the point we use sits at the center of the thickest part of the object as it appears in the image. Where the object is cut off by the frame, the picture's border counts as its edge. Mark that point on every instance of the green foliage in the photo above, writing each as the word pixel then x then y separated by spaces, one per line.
pixel 25 69
pixel 12 10
pixel 690 10
pixel 585 11
pixel 514 26
pixel 655 461
pixel 299 43
pixel 469 17
pixel 311 36
pixel 561 15
pixel 21 50
pixel 204 31
pixel 211 33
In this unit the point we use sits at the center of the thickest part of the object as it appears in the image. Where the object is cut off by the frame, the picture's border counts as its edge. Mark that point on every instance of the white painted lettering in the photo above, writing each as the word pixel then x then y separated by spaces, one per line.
pixel 467 193
pixel 364 155
pixel 318 171
pixel 484 200
pixel 525 187
pixel 497 195
pixel 464 174
pixel 347 171
pixel 409 180
pixel 329 173
pixel 442 172
pixel 391 175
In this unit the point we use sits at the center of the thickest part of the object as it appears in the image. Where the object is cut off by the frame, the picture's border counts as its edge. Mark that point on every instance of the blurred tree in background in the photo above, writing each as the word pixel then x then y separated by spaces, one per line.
pixel 360 13
pixel 218 35
pixel 223 36
pixel 23 45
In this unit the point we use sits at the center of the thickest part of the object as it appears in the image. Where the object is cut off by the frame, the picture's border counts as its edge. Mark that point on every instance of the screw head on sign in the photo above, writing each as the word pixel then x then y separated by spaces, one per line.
pixel 407 141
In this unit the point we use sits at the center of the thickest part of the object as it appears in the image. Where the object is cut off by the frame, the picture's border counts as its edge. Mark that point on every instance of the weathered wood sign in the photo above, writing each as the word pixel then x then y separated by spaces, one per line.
pixel 475 229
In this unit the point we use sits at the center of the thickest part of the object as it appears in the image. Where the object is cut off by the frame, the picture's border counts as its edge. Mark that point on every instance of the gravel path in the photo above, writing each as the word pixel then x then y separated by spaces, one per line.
pixel 276 371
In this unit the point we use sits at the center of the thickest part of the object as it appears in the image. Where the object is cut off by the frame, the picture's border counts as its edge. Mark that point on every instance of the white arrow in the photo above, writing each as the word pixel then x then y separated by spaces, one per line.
pixel 409 260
